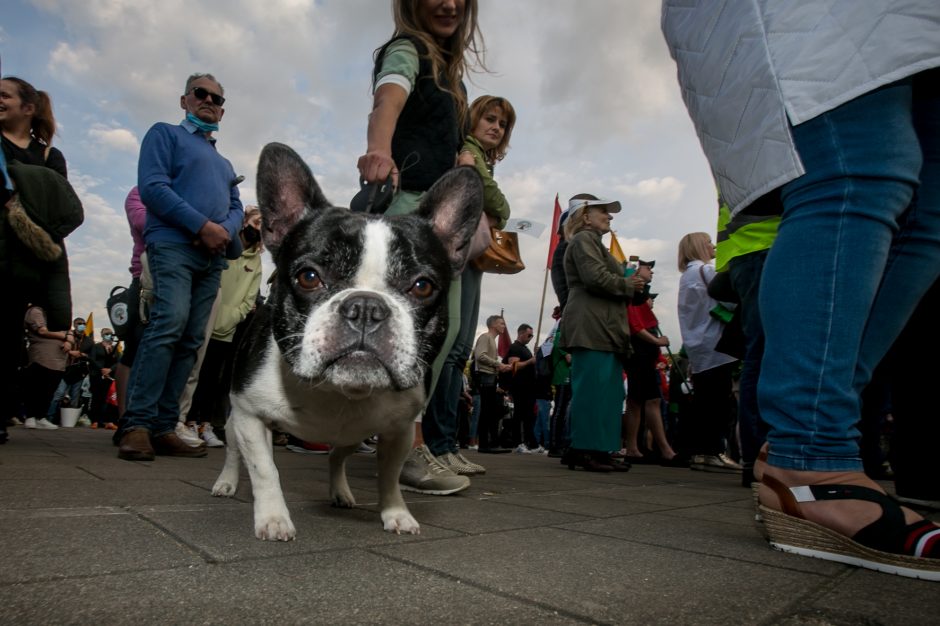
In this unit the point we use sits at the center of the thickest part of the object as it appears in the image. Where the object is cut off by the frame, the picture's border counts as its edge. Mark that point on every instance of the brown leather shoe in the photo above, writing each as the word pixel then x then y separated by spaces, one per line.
pixel 171 445
pixel 135 446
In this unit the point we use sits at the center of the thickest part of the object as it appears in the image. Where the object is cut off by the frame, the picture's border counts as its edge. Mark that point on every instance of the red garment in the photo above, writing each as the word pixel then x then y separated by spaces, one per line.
pixel 641 317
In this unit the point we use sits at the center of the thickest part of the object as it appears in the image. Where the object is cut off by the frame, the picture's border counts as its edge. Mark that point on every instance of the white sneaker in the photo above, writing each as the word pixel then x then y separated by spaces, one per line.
pixel 423 473
pixel 521 449
pixel 539 450
pixel 29 422
pixel 208 435
pixel 15 421
pixel 45 424
pixel 365 448
pixel 189 436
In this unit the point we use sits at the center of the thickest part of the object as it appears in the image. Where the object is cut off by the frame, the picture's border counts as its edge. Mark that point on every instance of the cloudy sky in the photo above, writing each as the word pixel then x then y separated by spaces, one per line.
pixel 592 83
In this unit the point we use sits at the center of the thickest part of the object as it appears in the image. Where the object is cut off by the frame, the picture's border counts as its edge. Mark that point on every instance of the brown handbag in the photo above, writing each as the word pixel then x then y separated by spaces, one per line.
pixel 502 255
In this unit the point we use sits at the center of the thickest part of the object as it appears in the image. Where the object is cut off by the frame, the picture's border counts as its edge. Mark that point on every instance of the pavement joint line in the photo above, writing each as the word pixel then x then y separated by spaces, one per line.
pixel 203 554
pixel 672 548
pixel 60 512
pixel 85 577
pixel 491 590
pixel 805 600
pixel 88 471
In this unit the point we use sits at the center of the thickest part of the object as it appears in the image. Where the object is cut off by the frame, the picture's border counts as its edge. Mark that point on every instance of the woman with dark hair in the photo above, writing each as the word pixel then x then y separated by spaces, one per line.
pixel 33 261
pixel 594 330
pixel 28 125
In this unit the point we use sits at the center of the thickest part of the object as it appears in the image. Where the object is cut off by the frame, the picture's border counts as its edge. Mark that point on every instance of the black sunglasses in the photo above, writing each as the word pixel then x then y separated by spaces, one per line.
pixel 202 93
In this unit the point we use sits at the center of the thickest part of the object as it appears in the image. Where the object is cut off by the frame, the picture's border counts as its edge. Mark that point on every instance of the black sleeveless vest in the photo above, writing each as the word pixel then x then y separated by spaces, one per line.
pixel 427 137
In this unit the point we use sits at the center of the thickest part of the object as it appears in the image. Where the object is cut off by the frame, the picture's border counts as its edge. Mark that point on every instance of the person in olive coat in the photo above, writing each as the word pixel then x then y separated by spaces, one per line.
pixel 595 331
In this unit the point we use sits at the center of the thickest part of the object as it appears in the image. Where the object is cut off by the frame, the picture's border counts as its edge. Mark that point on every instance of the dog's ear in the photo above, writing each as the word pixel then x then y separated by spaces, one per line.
pixel 286 191
pixel 454 206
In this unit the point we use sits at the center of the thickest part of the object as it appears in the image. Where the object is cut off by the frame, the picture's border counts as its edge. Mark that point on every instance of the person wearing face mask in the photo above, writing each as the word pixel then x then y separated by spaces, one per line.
pixel 75 370
pixel 241 282
pixel 103 358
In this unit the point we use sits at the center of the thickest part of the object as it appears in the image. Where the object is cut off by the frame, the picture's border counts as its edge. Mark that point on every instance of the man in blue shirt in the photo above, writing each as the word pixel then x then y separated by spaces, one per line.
pixel 193 218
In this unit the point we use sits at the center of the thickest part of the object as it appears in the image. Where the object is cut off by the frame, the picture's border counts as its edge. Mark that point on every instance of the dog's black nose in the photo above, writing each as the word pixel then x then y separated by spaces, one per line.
pixel 364 312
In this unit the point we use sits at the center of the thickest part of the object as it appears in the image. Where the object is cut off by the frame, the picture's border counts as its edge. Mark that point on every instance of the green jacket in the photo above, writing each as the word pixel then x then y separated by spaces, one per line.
pixel 595 317
pixel 494 202
pixel 241 281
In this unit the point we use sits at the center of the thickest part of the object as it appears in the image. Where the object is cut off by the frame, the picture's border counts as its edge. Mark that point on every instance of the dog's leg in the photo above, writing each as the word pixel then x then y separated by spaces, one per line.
pixel 393 448
pixel 227 482
pixel 272 519
pixel 340 493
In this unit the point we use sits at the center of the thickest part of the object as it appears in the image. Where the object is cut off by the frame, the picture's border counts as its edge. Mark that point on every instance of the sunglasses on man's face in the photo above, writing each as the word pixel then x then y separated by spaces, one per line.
pixel 201 93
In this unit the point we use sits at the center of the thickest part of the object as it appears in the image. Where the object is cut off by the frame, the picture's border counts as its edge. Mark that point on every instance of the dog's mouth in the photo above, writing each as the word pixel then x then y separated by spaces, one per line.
pixel 357 373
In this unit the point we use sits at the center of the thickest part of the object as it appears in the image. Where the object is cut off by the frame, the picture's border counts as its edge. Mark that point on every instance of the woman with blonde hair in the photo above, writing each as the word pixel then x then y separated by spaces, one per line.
pixel 711 370
pixel 595 332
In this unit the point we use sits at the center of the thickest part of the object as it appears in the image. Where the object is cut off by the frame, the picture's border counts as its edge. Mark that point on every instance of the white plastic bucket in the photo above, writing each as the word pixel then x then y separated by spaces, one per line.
pixel 68 416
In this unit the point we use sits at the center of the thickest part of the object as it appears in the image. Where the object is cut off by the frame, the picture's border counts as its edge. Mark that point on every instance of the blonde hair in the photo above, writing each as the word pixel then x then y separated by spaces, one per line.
pixel 694 247
pixel 446 59
pixel 479 108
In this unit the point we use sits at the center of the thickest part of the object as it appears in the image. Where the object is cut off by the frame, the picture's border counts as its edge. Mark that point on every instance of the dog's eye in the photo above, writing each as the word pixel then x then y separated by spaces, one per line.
pixel 309 280
pixel 422 288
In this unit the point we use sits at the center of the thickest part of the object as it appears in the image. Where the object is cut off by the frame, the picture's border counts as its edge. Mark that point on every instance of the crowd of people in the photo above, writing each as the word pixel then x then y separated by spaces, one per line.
pixel 827 262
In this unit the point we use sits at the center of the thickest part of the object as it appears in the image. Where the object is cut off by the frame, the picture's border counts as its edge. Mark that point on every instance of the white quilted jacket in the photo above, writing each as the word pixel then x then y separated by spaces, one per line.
pixel 749 68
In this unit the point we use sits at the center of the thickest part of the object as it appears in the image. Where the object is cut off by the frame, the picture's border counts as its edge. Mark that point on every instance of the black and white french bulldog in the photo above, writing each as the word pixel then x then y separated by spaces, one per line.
pixel 342 348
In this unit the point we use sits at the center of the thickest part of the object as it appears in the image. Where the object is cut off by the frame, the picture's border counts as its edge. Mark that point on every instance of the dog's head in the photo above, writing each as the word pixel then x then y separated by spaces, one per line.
pixel 359 302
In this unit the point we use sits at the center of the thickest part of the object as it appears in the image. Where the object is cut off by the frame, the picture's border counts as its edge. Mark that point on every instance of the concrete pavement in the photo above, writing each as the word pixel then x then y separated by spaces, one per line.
pixel 86 538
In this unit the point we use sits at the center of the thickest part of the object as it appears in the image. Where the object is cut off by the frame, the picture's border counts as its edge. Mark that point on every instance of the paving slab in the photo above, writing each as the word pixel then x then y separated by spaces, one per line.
pixel 86 538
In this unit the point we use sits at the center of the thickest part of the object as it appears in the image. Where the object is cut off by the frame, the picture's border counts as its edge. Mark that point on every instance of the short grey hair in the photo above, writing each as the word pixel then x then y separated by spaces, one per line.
pixel 194 77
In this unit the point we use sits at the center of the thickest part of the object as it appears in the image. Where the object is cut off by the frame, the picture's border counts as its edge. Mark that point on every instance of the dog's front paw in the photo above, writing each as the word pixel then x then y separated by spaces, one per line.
pixel 399 520
pixel 275 528
pixel 224 488
pixel 344 499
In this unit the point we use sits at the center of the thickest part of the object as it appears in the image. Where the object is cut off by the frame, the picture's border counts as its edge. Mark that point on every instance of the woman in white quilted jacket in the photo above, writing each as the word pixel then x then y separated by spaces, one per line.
pixel 834 109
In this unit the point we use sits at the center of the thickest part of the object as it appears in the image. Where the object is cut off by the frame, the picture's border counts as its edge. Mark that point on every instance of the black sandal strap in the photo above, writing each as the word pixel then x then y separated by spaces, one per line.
pixel 888 533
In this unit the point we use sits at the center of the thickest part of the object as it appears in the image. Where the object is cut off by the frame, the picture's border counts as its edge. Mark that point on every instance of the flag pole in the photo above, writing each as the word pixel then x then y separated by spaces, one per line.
pixel 538 331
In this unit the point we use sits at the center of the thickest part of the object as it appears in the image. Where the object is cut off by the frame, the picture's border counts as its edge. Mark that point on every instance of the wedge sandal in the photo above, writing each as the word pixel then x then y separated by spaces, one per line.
pixel 886 545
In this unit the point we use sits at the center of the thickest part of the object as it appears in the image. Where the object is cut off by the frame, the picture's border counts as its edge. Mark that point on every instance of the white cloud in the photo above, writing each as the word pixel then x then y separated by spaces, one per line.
pixel 592 83
pixel 120 139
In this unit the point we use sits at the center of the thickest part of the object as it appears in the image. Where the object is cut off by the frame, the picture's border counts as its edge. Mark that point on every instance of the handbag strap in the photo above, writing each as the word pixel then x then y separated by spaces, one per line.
pixel 701 272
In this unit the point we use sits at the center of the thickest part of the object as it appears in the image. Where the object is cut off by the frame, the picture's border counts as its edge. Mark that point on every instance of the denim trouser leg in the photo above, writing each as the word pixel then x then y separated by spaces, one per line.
pixel 185 282
pixel 439 424
pixel 56 399
pixel 745 278
pixel 859 244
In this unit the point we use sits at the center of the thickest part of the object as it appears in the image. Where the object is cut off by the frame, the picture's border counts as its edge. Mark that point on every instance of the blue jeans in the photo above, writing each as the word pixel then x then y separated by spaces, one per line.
pixel 185 282
pixel 439 424
pixel 859 244
pixel 74 392
pixel 745 274
pixel 540 430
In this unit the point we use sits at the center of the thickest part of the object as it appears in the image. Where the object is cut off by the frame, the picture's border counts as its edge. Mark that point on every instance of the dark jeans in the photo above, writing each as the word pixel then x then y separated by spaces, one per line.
pixel 185 283
pixel 491 409
pixel 439 424
pixel 745 274
pixel 711 410
pixel 524 419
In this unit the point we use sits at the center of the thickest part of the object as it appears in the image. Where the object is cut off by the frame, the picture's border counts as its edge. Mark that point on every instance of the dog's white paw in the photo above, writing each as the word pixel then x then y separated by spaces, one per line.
pixel 399 520
pixel 223 488
pixel 275 528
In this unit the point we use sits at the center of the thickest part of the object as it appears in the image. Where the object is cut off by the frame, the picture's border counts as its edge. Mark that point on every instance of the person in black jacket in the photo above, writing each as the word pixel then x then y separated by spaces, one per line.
pixel 103 357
